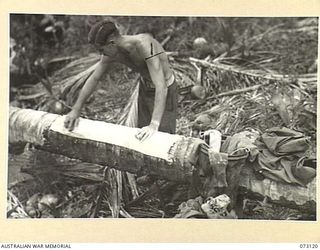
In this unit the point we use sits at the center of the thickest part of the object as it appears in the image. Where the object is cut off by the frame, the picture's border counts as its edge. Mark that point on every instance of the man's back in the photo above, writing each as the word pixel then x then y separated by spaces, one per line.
pixel 137 50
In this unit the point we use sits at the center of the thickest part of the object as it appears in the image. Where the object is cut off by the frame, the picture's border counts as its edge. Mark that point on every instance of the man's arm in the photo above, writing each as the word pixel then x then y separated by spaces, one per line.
pixel 157 76
pixel 88 88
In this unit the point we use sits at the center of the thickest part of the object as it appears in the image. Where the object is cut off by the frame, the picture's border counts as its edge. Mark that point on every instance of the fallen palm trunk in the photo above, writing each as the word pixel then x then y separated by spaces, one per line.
pixel 105 144
pixel 171 157
pixel 303 198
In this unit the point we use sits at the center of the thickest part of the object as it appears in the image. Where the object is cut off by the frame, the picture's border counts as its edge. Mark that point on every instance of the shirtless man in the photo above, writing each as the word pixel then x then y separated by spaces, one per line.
pixel 157 101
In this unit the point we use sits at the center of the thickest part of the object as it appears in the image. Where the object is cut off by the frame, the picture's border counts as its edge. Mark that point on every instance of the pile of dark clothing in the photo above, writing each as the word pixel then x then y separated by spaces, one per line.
pixel 282 156
pixel 278 154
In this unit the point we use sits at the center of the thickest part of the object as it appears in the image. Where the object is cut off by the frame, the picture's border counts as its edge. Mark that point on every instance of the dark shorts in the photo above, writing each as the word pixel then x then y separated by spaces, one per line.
pixel 145 108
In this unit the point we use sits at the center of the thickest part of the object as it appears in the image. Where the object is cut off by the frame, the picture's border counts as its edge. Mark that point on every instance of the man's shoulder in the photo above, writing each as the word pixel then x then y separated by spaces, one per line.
pixel 144 39
pixel 147 43
pixel 145 36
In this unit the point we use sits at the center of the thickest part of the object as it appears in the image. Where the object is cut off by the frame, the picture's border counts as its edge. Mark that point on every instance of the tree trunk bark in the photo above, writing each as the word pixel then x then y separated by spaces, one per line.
pixel 171 157
pixel 106 144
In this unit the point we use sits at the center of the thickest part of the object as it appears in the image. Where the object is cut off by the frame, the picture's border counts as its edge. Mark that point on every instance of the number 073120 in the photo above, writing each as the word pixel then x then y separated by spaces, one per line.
pixel 310 246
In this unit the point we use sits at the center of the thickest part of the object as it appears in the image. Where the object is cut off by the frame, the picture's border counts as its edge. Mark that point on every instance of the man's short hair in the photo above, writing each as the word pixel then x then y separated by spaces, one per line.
pixel 100 32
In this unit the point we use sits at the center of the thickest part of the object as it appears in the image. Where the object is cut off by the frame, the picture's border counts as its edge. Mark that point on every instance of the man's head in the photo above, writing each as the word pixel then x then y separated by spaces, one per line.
pixel 102 35
pixel 101 32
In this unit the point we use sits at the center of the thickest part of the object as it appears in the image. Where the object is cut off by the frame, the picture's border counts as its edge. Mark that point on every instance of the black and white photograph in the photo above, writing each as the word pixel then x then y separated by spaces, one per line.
pixel 172 117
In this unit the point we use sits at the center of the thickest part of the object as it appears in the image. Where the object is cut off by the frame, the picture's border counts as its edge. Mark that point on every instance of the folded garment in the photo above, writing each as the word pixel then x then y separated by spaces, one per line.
pixel 277 154
pixel 242 140
pixel 304 173
pixel 282 141
pixel 281 153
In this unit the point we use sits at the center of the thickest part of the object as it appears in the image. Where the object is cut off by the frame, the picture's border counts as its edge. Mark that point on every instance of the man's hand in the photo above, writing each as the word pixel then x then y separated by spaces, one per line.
pixel 71 120
pixel 147 131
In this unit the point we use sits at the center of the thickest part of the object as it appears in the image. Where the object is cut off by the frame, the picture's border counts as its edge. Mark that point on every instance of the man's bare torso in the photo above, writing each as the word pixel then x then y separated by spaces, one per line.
pixel 134 59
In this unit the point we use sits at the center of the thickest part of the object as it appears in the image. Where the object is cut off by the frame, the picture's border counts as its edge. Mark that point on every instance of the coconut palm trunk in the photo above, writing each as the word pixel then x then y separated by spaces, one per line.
pixel 171 157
